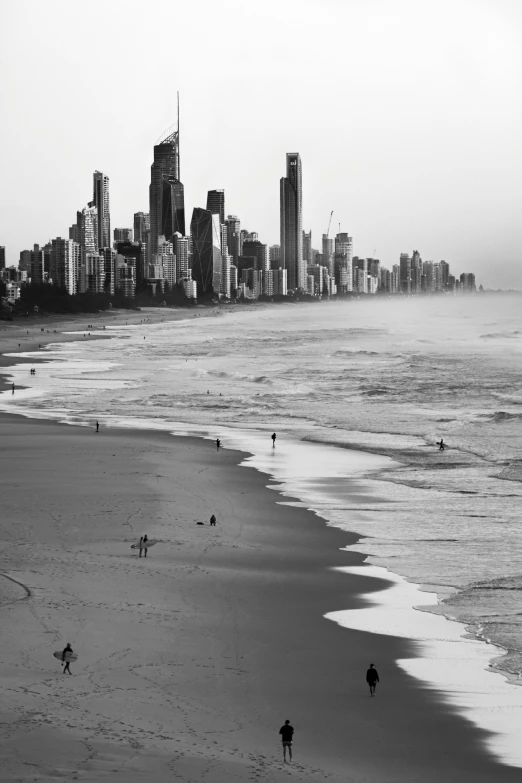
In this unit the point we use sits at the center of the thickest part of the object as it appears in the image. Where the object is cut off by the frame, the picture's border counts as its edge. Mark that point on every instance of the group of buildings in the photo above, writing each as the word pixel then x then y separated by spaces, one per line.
pixel 215 257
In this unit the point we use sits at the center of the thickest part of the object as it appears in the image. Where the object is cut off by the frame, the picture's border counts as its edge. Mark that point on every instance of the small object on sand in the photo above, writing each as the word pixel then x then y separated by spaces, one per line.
pixel 200 523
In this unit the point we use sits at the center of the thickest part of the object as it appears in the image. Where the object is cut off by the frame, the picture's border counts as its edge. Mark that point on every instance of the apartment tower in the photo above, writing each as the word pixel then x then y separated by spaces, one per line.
pixel 291 222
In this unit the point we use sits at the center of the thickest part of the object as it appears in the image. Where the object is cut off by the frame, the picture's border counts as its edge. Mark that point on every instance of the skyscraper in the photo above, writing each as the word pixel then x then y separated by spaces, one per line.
pixel 405 273
pixel 141 226
pixel 100 200
pixel 205 232
pixel 234 237
pixel 89 234
pixel 259 251
pixel 123 234
pixel 328 254
pixel 307 247
pixel 2 257
pixel 216 203
pixel 166 197
pixel 65 262
pixel 291 209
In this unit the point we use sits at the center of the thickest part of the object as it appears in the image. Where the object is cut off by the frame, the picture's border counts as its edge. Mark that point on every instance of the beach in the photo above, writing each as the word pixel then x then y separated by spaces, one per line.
pixel 191 660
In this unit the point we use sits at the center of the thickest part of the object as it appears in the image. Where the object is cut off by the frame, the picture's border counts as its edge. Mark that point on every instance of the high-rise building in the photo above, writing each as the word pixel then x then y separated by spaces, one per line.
pixel 216 203
pixel 234 237
pixel 100 200
pixel 122 235
pixel 405 273
pixel 205 231
pixel 467 282
pixel 37 265
pixel 89 230
pixel 91 273
pixel 343 263
pixel 328 253
pixel 259 251
pixel 2 257
pixel 416 272
pixel 445 274
pixel 65 263
pixel 166 197
pixel 181 251
pixel 307 247
pixel 291 221
pixel 24 265
pixel 274 252
pixel 109 264
pixel 141 226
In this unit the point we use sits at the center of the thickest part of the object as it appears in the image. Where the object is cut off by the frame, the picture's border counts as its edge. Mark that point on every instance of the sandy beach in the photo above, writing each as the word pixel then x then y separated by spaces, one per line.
pixel 191 660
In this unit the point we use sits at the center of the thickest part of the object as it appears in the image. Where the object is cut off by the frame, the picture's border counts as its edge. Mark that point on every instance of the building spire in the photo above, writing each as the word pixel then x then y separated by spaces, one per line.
pixel 179 167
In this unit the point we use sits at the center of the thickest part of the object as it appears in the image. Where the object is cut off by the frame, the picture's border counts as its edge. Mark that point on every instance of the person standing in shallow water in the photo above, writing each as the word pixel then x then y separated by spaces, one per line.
pixel 287 733
pixel 218 444
pixel 97 426
pixel 273 436
pixel 372 678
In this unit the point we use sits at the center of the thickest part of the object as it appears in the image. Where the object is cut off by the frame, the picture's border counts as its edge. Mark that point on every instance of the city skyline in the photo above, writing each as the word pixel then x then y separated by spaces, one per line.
pixel 419 146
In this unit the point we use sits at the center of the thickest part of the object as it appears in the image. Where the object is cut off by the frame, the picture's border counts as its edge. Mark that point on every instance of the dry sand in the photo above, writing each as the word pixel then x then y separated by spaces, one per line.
pixel 191 659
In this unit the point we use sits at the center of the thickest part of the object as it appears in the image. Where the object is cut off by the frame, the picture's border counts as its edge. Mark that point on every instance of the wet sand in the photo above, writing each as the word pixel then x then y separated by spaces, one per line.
pixel 191 660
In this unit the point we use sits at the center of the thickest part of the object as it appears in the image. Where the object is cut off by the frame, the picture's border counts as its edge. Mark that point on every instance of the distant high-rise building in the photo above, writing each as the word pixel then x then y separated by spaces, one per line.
pixel 205 231
pixel 234 237
pixel 122 235
pixel 343 262
pixel 259 251
pixel 2 257
pixel 166 196
pixel 141 226
pixel 291 221
pixel 181 251
pixel 274 254
pixel 89 233
pixel 307 247
pixel 416 273
pixel 328 253
pixel 37 265
pixel 100 200
pixel 445 274
pixel 216 203
pixel 24 264
pixel 405 273
pixel 65 263
pixel 467 282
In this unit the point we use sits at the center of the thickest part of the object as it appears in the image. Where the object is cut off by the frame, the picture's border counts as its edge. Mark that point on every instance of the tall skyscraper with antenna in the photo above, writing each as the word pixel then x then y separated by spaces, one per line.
pixel 100 200
pixel 166 193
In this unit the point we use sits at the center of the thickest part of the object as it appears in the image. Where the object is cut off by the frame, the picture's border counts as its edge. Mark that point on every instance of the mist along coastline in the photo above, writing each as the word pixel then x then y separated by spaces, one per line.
pixel 334 717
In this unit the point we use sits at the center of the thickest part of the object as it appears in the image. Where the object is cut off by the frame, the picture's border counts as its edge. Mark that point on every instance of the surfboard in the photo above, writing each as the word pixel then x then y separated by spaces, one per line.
pixel 68 656
pixel 146 545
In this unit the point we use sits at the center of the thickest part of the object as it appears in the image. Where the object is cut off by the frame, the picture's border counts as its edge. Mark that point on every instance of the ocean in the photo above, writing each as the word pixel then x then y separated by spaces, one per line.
pixel 359 393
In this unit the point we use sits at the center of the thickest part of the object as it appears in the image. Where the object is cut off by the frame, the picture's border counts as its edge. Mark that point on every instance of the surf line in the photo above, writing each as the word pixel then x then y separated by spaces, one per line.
pixel 28 593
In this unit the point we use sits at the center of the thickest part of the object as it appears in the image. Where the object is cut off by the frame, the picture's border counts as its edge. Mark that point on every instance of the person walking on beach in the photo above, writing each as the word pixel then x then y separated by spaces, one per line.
pixel 67 667
pixel 372 678
pixel 212 521
pixel 97 426
pixel 142 547
pixel 287 733
pixel 13 389
pixel 218 444
pixel 274 436
pixel 441 445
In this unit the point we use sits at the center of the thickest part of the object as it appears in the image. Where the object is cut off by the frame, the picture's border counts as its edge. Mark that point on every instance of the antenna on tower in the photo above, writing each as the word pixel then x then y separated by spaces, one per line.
pixel 179 171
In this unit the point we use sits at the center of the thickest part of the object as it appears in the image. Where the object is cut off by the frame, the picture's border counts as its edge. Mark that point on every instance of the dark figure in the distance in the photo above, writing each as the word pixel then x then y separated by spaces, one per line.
pixel 143 548
pixel 287 733
pixel 97 426
pixel 212 520
pixel 12 388
pixel 372 678
pixel 67 649
pixel 441 445
pixel 218 444
pixel 273 436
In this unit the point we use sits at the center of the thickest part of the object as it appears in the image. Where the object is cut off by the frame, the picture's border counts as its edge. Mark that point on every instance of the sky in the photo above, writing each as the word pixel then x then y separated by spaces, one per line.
pixel 407 115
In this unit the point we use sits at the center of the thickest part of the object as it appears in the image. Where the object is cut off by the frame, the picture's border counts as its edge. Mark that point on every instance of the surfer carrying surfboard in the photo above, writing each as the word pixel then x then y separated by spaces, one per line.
pixel 65 658
pixel 143 547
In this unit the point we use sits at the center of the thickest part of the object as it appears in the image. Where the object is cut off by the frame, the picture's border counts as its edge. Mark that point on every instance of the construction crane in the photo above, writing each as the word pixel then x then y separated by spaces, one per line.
pixel 329 224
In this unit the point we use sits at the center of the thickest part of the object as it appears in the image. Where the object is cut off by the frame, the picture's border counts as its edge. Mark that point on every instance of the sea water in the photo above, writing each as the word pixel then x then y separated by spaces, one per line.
pixel 387 377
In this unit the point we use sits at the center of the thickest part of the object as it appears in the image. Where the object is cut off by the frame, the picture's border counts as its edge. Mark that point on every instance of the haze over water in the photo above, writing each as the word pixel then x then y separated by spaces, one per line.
pixel 385 376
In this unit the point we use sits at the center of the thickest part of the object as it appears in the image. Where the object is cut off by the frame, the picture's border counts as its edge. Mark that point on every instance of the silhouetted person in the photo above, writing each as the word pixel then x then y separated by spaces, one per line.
pixel 212 520
pixel 287 732
pixel 372 678
pixel 12 389
pixel 441 445
pixel 67 649
pixel 97 426
pixel 273 436
pixel 218 444
pixel 143 548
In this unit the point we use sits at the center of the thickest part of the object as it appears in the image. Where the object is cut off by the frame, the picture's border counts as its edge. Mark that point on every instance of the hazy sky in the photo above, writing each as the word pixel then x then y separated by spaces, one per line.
pixel 407 115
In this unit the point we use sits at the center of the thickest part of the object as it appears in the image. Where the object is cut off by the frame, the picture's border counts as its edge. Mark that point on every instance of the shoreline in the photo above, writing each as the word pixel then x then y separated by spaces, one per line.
pixel 282 645
pixel 286 500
